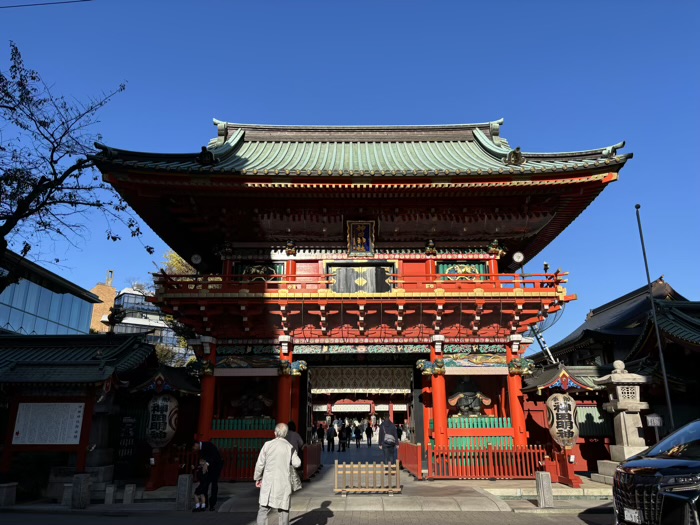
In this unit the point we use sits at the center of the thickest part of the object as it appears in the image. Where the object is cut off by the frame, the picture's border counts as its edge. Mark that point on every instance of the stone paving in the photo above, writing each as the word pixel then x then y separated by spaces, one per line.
pixel 420 501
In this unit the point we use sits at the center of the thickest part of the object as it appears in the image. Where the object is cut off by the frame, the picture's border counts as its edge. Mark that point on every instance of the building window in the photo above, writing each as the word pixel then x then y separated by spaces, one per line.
pixel 364 277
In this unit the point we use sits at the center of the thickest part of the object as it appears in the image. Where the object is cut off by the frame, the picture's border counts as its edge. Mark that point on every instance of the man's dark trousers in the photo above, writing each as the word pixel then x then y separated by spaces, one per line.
pixel 212 456
pixel 214 473
pixel 389 454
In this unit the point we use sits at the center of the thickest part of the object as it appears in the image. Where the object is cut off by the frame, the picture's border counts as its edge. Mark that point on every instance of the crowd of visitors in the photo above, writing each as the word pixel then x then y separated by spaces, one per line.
pixel 344 431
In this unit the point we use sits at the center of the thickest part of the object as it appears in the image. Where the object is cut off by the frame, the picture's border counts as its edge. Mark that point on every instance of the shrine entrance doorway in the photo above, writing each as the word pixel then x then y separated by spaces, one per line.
pixel 361 395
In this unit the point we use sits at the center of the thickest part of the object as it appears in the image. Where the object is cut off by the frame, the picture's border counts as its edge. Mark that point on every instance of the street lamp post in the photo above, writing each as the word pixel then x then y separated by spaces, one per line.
pixel 656 323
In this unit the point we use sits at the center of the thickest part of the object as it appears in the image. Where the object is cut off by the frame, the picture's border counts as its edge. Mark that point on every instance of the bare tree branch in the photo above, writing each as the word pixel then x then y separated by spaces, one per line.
pixel 46 182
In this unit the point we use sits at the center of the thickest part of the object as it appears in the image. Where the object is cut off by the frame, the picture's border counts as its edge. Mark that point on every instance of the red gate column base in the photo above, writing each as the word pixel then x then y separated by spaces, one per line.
pixel 561 470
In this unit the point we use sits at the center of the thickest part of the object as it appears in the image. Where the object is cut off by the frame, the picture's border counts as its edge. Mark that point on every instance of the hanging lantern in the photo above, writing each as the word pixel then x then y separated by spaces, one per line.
pixel 162 420
pixel 561 415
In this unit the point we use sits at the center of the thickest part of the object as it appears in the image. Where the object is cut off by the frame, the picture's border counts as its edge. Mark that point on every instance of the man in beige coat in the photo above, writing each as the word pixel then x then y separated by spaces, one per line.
pixel 272 476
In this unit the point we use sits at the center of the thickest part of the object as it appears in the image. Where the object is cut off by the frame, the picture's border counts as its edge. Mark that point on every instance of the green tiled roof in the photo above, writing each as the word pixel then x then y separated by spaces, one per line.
pixel 465 149
pixel 681 321
pixel 69 359
pixel 677 320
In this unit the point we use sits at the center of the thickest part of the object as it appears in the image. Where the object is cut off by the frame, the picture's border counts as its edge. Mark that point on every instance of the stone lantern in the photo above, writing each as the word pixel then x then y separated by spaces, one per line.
pixel 623 391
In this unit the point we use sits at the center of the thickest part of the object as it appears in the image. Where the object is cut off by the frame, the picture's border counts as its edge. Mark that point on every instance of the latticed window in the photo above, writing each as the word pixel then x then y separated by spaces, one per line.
pixel 628 392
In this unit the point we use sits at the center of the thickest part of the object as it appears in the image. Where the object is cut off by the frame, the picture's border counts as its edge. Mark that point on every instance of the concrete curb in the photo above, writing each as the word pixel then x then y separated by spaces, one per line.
pixel 502 505
pixel 560 507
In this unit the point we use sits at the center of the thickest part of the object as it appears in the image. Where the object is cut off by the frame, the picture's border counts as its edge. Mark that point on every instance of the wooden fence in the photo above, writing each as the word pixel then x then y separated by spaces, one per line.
pixel 486 463
pixel 365 478
pixel 411 458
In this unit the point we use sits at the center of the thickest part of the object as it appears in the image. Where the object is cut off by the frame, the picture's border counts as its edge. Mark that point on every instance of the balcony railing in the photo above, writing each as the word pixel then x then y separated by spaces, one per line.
pixel 322 283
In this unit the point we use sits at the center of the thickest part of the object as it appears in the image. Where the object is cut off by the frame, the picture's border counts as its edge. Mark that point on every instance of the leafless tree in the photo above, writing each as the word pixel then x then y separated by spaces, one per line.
pixel 47 182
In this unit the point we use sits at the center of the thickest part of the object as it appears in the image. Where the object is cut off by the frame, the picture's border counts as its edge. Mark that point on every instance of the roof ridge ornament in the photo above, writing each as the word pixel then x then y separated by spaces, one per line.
pixel 514 157
pixel 221 133
pixel 107 152
pixel 496 249
pixel 611 151
pixel 207 157
pixel 495 130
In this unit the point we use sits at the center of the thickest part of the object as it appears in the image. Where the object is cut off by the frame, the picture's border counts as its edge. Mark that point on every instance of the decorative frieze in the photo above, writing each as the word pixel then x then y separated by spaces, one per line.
pixel 369 380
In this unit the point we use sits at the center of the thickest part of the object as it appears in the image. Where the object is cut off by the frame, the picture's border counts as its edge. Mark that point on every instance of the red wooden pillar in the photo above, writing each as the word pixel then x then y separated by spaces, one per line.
pixel 227 267
pixel 284 383
pixel 515 399
pixel 296 400
pixel 207 398
pixel 439 396
pixel 503 399
pixel 427 410
pixel 85 432
pixel 11 422
pixel 391 412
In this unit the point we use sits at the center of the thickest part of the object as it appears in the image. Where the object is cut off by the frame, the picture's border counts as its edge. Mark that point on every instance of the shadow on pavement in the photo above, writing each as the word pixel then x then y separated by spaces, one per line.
pixel 598 515
pixel 319 516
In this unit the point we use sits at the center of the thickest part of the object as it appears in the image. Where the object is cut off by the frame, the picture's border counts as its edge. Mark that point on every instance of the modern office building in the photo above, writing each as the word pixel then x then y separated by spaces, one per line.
pixel 42 303
pixel 141 316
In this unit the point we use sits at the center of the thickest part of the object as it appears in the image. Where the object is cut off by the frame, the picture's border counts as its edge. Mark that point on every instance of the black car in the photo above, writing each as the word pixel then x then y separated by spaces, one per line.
pixel 661 485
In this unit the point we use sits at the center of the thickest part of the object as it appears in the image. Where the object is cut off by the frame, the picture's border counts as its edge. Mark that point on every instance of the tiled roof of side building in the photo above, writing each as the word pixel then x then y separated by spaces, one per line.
pixel 455 150
pixel 681 320
pixel 622 316
pixel 69 359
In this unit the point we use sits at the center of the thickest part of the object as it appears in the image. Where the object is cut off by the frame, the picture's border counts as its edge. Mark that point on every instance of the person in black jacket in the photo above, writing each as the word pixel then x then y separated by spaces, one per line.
pixel 388 440
pixel 330 436
pixel 213 463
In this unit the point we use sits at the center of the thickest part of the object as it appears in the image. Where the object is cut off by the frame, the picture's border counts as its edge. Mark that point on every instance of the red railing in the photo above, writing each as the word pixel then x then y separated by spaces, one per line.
pixel 487 463
pixel 235 284
pixel 311 459
pixel 168 465
pixel 239 465
pixel 411 458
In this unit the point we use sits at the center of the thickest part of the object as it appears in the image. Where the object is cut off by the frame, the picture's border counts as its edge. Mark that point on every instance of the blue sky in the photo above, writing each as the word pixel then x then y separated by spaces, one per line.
pixel 564 75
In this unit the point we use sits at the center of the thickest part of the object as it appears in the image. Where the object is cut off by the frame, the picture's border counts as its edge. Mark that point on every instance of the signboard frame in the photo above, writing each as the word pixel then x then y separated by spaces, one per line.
pixel 30 427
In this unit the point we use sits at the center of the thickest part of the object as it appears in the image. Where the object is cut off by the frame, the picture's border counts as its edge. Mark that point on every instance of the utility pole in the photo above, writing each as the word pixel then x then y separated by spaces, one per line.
pixel 656 323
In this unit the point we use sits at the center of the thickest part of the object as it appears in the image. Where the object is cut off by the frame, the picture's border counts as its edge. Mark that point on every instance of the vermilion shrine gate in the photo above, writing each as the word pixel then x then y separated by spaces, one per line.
pixel 333 260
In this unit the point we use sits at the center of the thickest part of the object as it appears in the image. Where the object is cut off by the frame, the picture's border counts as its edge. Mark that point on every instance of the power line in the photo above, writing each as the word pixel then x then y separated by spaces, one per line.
pixel 39 4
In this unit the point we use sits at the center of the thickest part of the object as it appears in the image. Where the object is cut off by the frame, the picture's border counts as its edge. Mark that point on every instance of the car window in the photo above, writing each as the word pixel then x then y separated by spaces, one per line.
pixel 684 443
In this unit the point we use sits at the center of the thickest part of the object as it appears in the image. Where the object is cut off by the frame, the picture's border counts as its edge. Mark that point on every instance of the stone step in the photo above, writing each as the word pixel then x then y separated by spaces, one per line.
pixel 607 468
pixel 601 478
